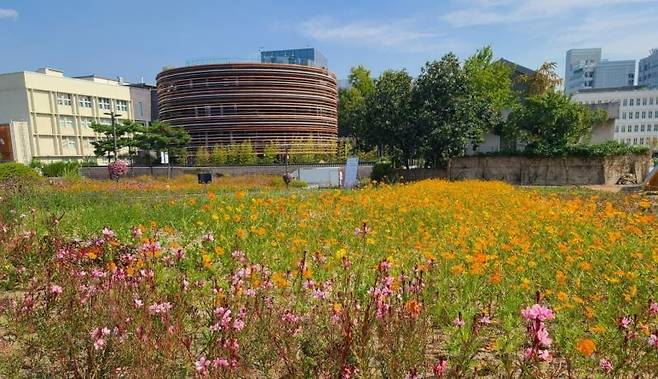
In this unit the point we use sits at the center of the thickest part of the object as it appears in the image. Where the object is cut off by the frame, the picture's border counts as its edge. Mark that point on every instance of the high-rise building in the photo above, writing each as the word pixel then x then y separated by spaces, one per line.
pixel 585 69
pixel 307 57
pixel 49 116
pixel 648 70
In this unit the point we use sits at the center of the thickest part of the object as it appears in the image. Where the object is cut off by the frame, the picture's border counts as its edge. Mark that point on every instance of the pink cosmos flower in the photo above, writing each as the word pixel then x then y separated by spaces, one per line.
pixel 605 365
pixel 537 312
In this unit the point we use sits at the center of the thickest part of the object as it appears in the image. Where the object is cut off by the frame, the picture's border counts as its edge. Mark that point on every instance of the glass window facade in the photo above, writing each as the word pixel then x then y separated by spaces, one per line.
pixel 306 57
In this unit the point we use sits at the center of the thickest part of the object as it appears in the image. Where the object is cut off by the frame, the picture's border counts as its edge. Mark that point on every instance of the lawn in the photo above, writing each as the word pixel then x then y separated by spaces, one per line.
pixel 248 279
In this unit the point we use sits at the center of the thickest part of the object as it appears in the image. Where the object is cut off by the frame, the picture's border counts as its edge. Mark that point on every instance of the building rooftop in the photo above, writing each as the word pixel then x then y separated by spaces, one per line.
pixel 613 89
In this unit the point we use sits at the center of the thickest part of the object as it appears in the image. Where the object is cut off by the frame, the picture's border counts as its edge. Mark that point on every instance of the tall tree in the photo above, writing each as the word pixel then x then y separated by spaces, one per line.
pixel 450 114
pixel 391 117
pixel 490 80
pixel 352 103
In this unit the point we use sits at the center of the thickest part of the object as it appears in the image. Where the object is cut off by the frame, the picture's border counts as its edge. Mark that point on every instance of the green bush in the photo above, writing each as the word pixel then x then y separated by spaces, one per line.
pixel 383 171
pixel 61 169
pixel 606 149
pixel 17 172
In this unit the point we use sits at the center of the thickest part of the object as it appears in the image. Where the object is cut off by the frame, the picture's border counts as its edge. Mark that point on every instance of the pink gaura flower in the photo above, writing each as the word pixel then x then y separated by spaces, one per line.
pixel 439 367
pixel 208 237
pixel 108 233
pixel 485 320
pixel 653 309
pixel 458 322
pixel 160 308
pixel 201 366
pixel 56 290
pixel 605 365
pixel 625 322
pixel 220 362
pixel 537 312
pixel 653 340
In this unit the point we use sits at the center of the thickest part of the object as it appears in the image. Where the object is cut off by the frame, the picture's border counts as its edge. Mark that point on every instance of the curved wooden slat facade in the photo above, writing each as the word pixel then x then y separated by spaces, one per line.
pixel 226 104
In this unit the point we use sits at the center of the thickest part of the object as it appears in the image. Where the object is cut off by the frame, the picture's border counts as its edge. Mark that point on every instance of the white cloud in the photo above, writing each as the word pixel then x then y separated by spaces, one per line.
pixel 8 13
pixel 405 35
pixel 489 12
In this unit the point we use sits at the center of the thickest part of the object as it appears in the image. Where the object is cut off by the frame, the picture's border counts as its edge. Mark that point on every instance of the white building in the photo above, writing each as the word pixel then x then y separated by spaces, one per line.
pixel 54 113
pixel 585 69
pixel 637 120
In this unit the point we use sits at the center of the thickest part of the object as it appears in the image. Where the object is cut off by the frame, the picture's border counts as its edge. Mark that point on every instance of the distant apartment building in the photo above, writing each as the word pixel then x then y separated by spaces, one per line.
pixel 585 69
pixel 648 70
pixel 633 114
pixel 307 57
pixel 49 116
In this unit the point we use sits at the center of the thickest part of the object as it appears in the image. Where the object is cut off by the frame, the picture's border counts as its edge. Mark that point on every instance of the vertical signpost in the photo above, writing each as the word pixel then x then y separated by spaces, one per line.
pixel 351 168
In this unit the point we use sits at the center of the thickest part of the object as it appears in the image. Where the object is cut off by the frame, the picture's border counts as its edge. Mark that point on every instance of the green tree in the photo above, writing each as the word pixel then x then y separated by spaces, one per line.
pixel 125 134
pixel 392 117
pixel 352 103
pixel 233 154
pixel 202 156
pixel 162 137
pixel 270 152
pixel 246 153
pixel 542 80
pixel 490 80
pixel 551 123
pixel 450 113
pixel 218 155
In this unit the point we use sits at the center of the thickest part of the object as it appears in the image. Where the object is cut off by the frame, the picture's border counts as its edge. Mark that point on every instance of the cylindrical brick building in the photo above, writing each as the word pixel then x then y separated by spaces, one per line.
pixel 227 104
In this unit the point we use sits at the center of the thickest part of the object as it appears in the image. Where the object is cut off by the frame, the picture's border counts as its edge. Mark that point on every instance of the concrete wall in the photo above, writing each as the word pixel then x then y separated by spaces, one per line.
pixel 539 171
pixel 101 172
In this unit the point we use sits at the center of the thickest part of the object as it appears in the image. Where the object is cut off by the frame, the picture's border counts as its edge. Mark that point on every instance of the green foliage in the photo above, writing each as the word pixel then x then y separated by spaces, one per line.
pixel 270 152
pixel 391 114
pixel 218 155
pixel 126 137
pixel 542 81
pixel 201 157
pixel 383 172
pixel 450 114
pixel 246 153
pixel 606 149
pixel 160 137
pixel 233 154
pixel 352 107
pixel 17 172
pixel 551 123
pixel 61 169
pixel 491 80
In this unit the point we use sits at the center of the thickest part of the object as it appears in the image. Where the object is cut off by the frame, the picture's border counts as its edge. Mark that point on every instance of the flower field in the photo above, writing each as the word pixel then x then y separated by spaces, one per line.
pixel 431 279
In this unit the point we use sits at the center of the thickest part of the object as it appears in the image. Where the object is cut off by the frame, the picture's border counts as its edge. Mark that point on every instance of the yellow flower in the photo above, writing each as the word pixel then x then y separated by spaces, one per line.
pixel 207 262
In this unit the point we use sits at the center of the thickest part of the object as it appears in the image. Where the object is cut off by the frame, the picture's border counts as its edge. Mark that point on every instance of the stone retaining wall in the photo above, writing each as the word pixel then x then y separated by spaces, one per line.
pixel 539 171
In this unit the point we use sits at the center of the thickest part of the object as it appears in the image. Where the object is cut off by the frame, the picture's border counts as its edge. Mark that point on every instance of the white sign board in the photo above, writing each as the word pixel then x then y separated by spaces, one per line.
pixel 351 168
pixel 164 157
pixel 320 176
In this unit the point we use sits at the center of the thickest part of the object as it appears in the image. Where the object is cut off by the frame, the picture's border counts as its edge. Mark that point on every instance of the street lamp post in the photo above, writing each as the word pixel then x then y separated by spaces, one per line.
pixel 286 177
pixel 113 115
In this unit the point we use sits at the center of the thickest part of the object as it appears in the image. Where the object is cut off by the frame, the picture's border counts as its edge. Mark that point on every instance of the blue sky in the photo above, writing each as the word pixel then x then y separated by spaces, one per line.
pixel 136 38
